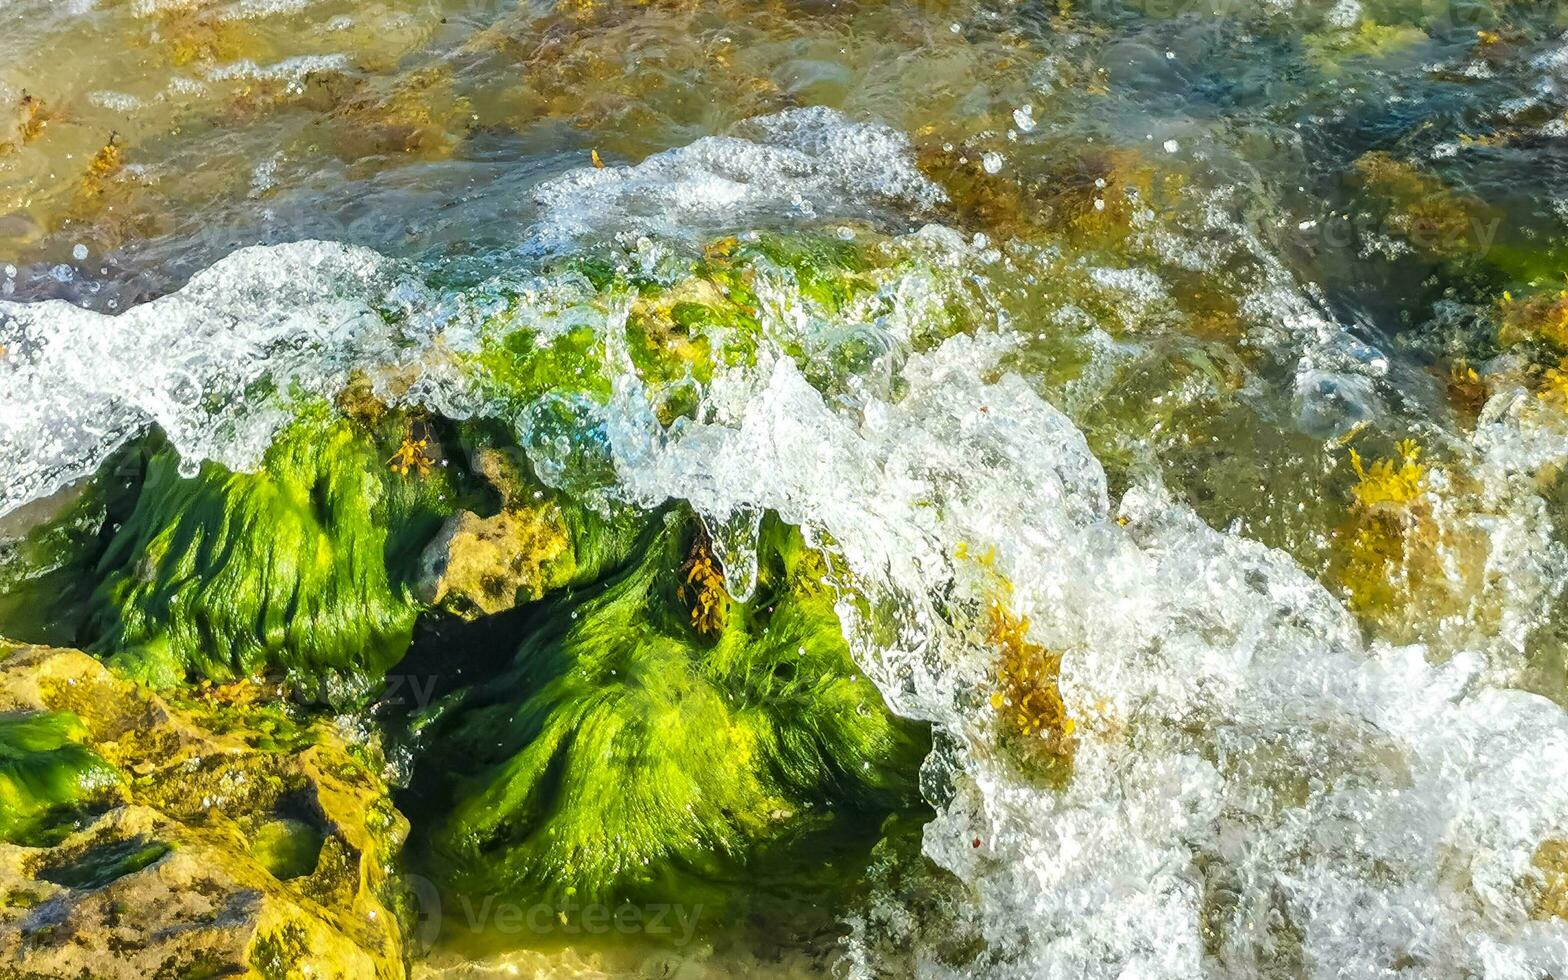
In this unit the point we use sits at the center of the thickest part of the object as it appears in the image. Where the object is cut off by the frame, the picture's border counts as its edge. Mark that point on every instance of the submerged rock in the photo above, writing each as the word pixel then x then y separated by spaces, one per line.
pixel 237 841
pixel 486 565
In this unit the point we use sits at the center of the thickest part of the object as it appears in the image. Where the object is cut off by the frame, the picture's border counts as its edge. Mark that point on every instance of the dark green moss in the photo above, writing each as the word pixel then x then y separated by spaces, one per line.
pixel 100 864
pixel 274 955
pixel 46 570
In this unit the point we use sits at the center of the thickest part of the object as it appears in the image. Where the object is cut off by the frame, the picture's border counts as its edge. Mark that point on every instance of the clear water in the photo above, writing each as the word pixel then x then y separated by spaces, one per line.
pixel 1197 254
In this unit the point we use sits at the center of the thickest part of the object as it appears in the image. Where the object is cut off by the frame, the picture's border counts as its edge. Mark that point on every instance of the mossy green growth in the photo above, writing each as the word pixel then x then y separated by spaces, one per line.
pixel 46 767
pixel 46 566
pixel 286 847
pixel 303 567
pixel 681 322
pixel 1366 40
pixel 102 863
pixel 655 736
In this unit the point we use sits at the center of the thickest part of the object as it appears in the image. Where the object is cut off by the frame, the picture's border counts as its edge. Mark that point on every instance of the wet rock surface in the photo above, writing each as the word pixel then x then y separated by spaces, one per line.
pixel 242 842
pixel 480 566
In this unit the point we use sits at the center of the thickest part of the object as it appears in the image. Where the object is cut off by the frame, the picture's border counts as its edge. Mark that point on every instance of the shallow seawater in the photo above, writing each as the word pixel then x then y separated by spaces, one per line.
pixel 1175 395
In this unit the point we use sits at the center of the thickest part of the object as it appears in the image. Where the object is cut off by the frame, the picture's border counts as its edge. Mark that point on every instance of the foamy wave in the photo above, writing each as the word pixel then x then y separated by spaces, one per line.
pixel 802 163
pixel 215 364
pixel 1254 791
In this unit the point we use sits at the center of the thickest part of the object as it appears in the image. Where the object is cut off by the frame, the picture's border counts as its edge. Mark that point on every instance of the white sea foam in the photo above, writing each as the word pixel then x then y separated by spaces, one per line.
pixel 801 163
pixel 289 69
pixel 213 364
pixel 1253 789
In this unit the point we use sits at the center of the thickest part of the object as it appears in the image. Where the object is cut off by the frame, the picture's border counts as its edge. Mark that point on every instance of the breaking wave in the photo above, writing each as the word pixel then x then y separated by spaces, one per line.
pixel 1254 789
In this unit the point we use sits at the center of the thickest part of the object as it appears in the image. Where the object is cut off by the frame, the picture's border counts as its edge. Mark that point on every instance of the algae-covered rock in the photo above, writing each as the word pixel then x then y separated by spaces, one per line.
pixel 240 842
pixel 655 733
pixel 682 320
pixel 305 566
pixel 46 767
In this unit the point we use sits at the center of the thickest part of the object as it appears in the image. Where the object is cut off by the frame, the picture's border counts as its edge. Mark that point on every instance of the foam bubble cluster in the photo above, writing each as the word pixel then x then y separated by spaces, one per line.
pixel 808 163
pixel 215 365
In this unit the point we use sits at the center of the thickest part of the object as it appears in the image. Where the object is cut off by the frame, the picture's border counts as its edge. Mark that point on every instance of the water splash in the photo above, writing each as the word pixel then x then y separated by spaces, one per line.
pixel 215 365
pixel 811 163
pixel 1254 789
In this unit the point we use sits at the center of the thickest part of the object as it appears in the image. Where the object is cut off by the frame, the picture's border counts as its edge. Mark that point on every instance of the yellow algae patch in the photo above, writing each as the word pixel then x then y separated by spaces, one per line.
pixel 104 167
pixel 1390 528
pixel 1390 481
pixel 1467 392
pixel 1554 385
pixel 1419 207
pixel 421 115
pixel 1367 40
pixel 200 33
pixel 102 197
pixel 1028 696
pixel 1551 888
pixel 1542 317
pixel 413 455
pixel 702 587
pixel 25 124
pixel 1408 560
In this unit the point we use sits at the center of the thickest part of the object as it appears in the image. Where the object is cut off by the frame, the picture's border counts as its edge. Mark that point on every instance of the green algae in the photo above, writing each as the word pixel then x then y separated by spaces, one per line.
pixel 46 570
pixel 1367 39
pixel 99 865
pixel 47 768
pixel 275 955
pixel 302 567
pixel 634 750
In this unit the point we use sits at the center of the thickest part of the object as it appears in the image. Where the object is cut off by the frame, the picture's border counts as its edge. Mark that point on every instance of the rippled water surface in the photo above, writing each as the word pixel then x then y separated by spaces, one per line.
pixel 1219 348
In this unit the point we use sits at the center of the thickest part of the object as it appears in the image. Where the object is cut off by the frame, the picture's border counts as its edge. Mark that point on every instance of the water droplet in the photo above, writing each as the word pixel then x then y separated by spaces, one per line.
pixel 1171 146
pixel 79 252
pixel 992 162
